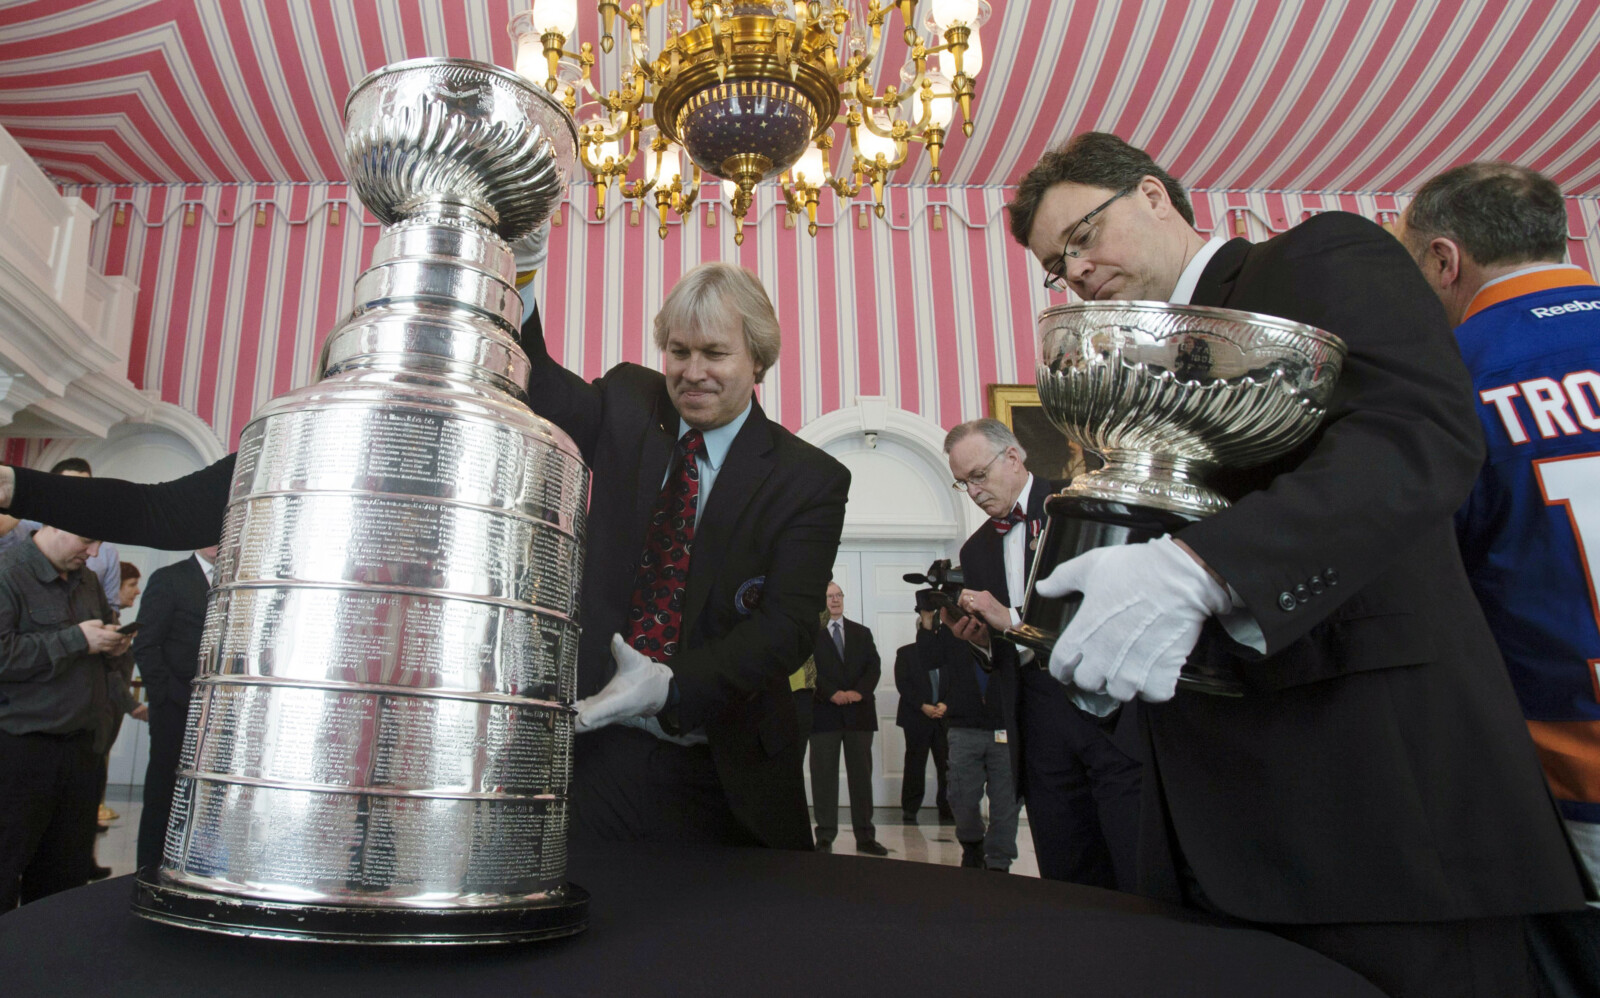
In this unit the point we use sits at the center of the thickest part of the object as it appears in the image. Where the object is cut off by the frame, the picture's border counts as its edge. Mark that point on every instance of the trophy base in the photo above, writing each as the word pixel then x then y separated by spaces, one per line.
pixel 326 923
pixel 1080 523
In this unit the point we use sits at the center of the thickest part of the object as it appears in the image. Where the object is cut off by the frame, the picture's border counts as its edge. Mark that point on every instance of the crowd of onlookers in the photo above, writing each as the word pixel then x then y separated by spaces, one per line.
pixel 67 664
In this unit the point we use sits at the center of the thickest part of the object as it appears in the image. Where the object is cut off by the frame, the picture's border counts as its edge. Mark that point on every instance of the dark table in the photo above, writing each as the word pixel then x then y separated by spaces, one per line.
pixel 708 921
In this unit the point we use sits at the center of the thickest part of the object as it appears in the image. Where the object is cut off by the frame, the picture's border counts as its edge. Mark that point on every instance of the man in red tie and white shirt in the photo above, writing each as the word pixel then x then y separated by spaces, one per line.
pixel 712 533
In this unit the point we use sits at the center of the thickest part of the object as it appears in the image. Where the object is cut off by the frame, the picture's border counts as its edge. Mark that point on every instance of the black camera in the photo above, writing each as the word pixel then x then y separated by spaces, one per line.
pixel 944 585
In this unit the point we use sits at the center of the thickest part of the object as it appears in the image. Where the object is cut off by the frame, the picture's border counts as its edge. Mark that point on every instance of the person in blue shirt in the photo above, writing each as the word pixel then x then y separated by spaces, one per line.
pixel 1491 240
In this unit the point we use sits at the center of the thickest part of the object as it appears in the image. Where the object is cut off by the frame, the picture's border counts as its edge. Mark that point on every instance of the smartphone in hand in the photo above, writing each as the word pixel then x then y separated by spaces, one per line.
pixel 129 628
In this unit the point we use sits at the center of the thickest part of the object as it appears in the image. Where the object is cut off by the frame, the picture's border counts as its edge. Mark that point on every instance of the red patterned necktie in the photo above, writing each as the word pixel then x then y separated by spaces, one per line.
pixel 655 615
pixel 1004 523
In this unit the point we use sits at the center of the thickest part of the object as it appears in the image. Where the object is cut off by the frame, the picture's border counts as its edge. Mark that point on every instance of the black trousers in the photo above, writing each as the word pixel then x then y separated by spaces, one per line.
pixel 825 747
pixel 160 777
pixel 630 786
pixel 1081 787
pixel 924 738
pixel 48 802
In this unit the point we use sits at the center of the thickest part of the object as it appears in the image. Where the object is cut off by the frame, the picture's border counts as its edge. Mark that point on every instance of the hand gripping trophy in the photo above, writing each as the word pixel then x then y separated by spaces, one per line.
pixel 379 743
pixel 1165 393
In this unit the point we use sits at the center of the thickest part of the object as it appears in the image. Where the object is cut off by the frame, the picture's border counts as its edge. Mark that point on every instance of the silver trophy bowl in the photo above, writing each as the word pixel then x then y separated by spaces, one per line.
pixel 1165 393
pixel 380 734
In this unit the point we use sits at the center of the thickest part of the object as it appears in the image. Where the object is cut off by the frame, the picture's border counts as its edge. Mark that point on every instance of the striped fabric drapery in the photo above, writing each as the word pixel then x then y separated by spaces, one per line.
pixel 926 310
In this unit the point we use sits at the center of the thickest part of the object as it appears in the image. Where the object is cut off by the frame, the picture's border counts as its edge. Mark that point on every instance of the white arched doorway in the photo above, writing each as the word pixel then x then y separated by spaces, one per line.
pixel 902 515
pixel 169 443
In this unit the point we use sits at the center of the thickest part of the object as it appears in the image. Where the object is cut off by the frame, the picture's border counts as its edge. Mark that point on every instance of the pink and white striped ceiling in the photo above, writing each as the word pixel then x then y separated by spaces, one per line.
pixel 1326 95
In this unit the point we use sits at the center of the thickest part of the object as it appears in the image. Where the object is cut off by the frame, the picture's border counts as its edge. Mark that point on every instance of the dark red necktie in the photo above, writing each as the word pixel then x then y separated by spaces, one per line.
pixel 655 616
pixel 1005 523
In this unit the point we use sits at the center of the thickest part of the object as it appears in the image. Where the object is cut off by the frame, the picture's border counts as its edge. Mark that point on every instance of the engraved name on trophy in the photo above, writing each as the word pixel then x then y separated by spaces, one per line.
pixel 379 741
pixel 1165 393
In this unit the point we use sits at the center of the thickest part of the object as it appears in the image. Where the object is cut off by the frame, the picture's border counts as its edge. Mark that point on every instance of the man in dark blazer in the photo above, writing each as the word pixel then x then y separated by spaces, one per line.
pixel 707 747
pixel 844 714
pixel 920 718
pixel 1080 774
pixel 1373 794
pixel 166 649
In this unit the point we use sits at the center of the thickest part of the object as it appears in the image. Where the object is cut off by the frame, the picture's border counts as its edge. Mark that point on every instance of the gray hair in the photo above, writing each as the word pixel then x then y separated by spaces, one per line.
pixel 992 430
pixel 1500 213
pixel 709 293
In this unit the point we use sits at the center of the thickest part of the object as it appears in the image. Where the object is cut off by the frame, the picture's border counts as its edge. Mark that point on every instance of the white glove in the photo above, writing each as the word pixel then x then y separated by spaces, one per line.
pixel 639 689
pixel 531 250
pixel 1143 607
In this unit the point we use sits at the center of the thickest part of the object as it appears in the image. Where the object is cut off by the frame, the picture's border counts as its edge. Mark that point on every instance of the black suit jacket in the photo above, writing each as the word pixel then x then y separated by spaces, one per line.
pixel 915 687
pixel 172 613
pixel 1378 768
pixel 984 567
pixel 761 560
pixel 859 671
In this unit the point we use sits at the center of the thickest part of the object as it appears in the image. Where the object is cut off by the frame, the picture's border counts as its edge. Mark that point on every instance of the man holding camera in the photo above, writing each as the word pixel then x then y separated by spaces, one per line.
pixel 978 704
pixel 1079 774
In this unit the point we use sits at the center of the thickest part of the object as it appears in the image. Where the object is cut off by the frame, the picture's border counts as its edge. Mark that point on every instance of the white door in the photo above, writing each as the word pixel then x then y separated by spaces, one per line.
pixel 875 594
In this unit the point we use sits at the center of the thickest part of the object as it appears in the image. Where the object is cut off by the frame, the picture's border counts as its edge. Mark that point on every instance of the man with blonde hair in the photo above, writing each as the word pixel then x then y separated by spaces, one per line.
pixel 712 533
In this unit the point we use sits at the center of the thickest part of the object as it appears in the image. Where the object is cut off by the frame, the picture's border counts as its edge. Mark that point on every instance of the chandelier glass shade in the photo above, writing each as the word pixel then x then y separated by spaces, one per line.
pixel 753 92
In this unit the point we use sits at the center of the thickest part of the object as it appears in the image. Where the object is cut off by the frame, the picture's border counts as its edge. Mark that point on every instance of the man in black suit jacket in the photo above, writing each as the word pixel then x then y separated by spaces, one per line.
pixel 1373 794
pixel 844 714
pixel 172 615
pixel 708 748
pixel 920 717
pixel 1079 774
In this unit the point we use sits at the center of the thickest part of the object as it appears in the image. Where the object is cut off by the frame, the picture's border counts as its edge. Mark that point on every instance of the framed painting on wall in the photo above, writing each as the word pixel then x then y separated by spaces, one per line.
pixel 1051 456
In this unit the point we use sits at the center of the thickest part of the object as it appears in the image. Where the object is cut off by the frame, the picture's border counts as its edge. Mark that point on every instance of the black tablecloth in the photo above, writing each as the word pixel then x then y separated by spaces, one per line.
pixel 706 922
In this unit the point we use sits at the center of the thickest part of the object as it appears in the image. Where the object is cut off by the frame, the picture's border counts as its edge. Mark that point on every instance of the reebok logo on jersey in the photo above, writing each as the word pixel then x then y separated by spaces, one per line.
pixel 1550 311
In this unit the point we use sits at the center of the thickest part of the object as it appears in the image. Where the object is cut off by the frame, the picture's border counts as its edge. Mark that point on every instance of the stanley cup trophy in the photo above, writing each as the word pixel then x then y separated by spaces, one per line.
pixel 1164 393
pixel 379 741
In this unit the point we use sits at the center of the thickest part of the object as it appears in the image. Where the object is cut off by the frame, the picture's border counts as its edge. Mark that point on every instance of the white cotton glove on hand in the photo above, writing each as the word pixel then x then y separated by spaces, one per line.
pixel 531 250
pixel 639 689
pixel 1143 607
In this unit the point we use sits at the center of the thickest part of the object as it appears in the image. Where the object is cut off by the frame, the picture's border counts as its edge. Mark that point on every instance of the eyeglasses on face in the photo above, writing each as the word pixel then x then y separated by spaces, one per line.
pixel 977 477
pixel 1080 240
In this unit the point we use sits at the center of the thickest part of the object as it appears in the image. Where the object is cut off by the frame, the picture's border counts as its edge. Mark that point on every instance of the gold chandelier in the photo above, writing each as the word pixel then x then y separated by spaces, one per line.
pixel 751 91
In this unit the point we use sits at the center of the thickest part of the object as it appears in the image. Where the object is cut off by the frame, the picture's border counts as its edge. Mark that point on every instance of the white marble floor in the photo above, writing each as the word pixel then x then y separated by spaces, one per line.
pixel 928 841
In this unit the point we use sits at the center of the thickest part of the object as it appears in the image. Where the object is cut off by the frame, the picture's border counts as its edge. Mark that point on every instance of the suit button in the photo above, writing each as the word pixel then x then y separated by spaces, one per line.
pixel 1286 601
pixel 1301 593
pixel 1316 584
pixel 1330 576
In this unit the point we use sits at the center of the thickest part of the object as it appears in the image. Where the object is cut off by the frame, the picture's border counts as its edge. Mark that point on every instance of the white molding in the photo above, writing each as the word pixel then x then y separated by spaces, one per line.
pixel 65 329
pixel 872 419
pixel 180 422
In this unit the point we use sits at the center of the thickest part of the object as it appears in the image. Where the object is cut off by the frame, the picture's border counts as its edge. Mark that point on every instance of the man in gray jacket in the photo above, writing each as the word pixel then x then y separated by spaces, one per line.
pixel 60 658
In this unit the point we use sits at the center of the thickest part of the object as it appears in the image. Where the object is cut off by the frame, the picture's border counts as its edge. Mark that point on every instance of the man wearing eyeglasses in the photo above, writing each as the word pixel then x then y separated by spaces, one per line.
pixel 1079 774
pixel 1372 795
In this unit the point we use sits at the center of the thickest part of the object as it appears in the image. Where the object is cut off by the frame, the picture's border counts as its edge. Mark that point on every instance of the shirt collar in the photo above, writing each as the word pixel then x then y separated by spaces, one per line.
pixel 1190 278
pixel 720 439
pixel 43 570
pixel 1526 281
pixel 1022 497
pixel 206 567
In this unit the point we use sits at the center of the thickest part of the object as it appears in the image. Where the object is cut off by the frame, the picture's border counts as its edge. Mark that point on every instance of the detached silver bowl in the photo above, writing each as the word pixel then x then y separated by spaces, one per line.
pixel 1167 392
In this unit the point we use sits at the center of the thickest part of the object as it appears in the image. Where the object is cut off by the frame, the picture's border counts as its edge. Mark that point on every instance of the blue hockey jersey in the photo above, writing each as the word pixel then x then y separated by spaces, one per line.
pixel 1530 532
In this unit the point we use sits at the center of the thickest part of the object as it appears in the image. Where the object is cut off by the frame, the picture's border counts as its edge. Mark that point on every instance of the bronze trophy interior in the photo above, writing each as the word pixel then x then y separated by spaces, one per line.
pixel 1164 393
